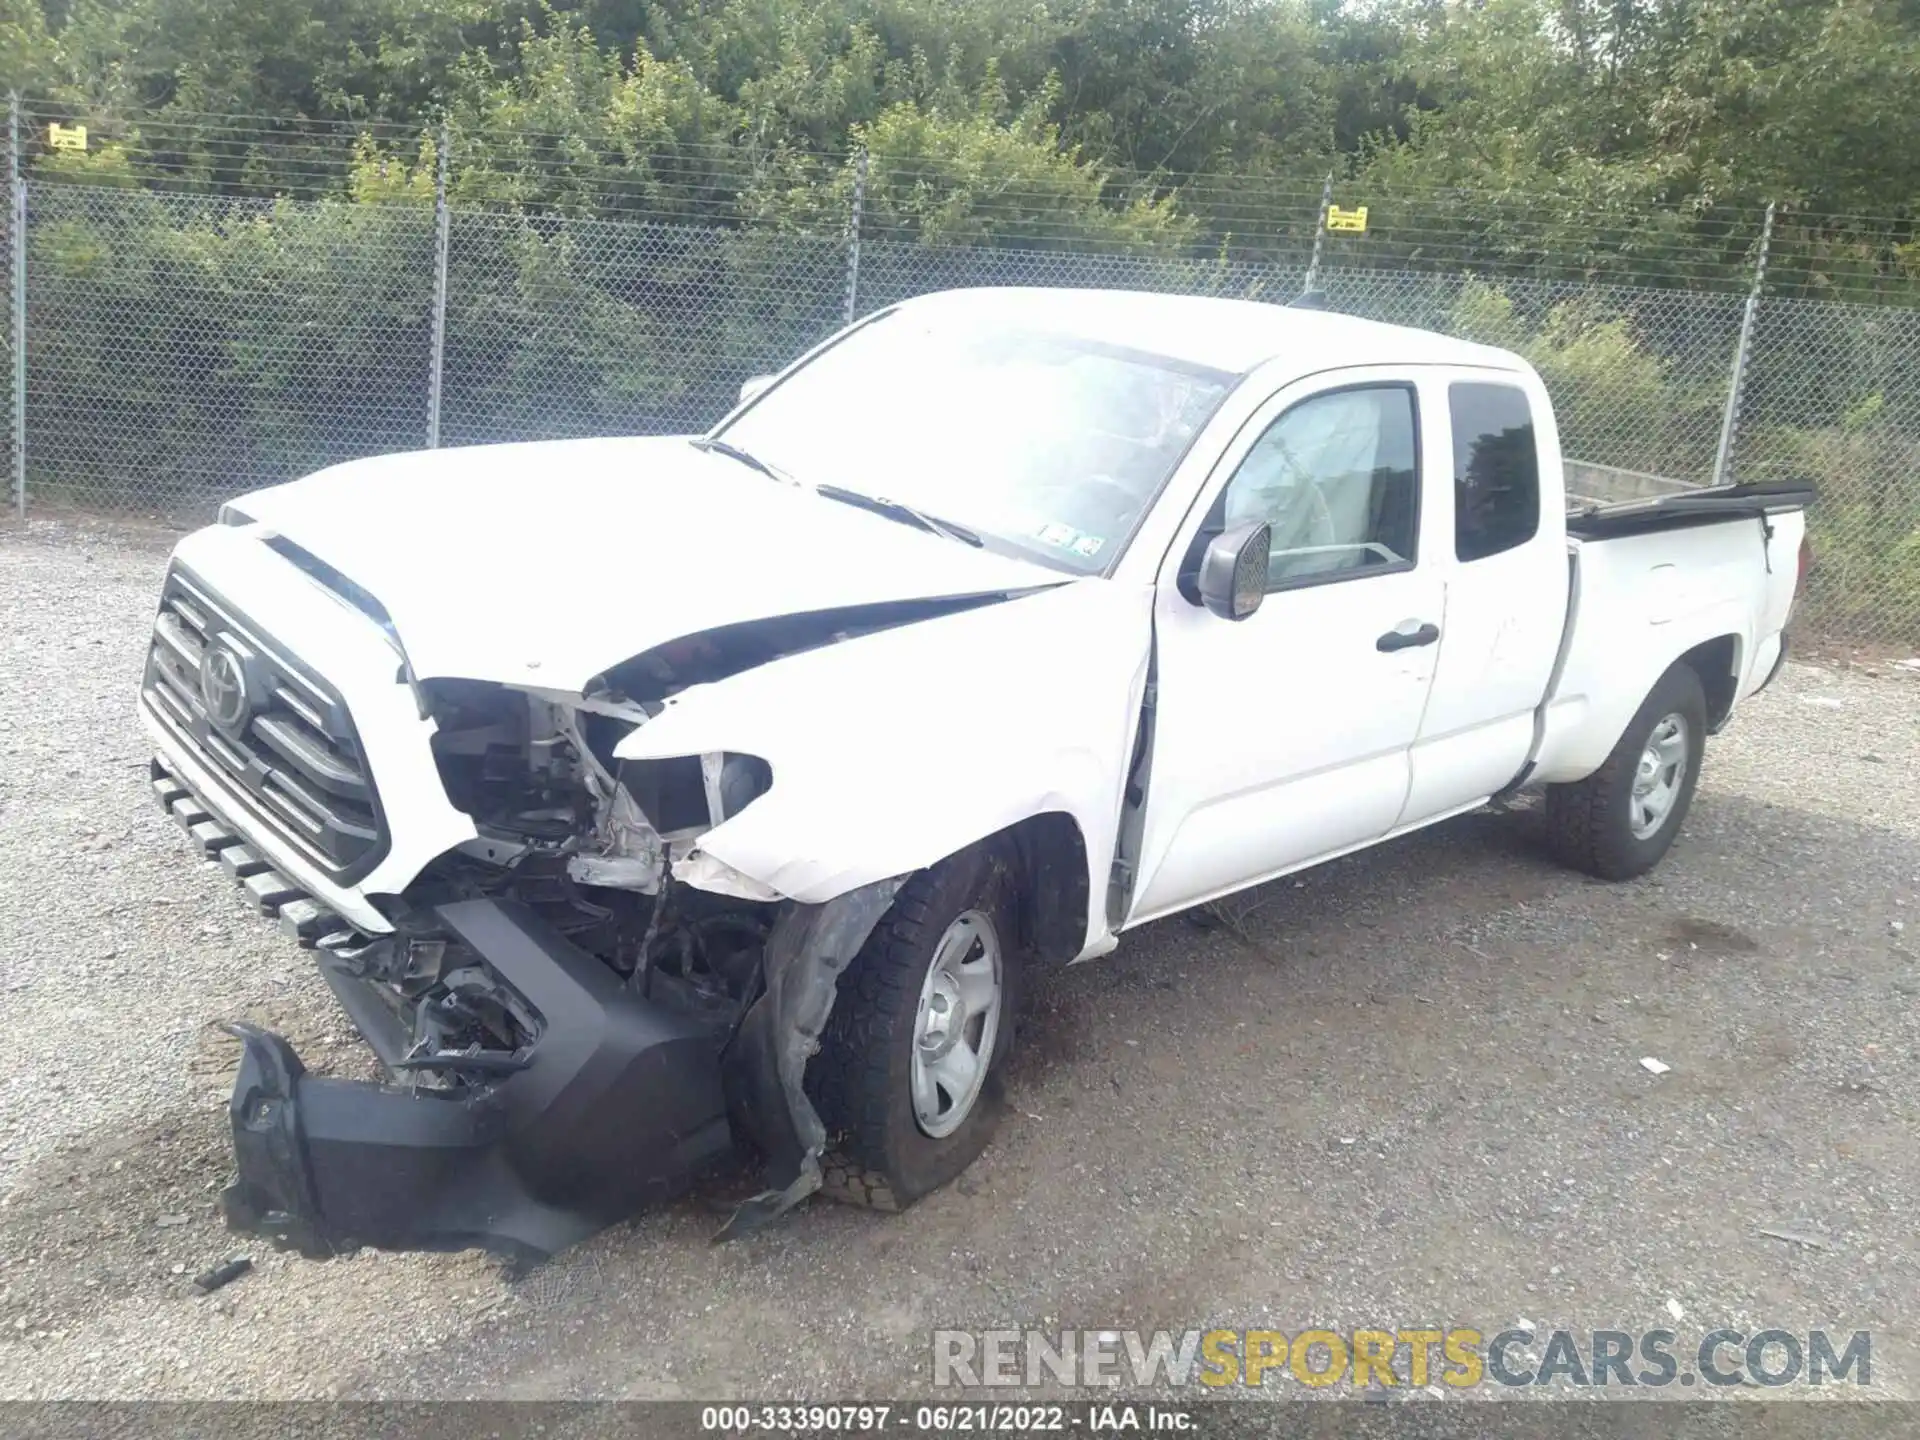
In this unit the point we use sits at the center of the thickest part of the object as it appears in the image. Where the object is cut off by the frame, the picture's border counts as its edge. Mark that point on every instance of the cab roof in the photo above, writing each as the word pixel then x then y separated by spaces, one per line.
pixel 1234 336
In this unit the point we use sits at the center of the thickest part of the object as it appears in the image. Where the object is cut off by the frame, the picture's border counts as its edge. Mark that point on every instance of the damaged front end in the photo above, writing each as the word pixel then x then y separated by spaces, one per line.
pixel 569 1033
pixel 609 1101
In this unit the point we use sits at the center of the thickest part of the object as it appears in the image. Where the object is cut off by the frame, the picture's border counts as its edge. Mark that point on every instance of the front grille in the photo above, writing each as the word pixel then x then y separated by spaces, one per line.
pixel 288 746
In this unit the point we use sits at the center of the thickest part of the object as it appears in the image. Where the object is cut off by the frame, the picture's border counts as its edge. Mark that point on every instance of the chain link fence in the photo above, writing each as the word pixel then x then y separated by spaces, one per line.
pixel 1833 391
pixel 560 327
pixel 12 307
pixel 183 346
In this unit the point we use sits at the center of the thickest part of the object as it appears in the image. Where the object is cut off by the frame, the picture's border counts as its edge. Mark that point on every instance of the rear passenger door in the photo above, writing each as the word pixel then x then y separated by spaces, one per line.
pixel 1505 573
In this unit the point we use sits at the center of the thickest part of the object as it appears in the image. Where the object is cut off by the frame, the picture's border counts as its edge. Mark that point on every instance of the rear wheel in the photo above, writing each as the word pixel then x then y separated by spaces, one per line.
pixel 1620 820
pixel 907 1078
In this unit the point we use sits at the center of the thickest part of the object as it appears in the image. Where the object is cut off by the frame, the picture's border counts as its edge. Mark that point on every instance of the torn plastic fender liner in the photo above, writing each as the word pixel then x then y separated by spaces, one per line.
pixel 766 1065
pixel 620 1105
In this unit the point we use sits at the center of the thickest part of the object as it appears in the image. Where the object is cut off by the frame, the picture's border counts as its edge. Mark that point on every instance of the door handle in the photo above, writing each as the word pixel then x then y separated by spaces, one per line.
pixel 1397 639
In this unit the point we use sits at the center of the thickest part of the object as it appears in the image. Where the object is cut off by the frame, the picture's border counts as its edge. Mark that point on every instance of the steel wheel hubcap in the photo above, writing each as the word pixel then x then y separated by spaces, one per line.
pixel 956 1025
pixel 1657 778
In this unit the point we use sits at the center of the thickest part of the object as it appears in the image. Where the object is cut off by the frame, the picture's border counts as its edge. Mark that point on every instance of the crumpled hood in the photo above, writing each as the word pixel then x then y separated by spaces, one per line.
pixel 545 564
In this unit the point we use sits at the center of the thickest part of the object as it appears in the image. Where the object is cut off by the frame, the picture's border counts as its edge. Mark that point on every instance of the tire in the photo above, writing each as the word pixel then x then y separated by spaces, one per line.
pixel 1596 825
pixel 879 1153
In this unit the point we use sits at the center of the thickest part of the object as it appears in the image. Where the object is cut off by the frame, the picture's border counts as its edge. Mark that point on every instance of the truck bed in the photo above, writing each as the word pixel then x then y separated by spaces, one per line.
pixel 1604 501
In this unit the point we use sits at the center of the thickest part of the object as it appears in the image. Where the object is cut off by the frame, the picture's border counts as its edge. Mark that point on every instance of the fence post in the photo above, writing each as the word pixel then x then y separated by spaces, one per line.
pixel 853 234
pixel 437 364
pixel 1730 421
pixel 17 256
pixel 1319 235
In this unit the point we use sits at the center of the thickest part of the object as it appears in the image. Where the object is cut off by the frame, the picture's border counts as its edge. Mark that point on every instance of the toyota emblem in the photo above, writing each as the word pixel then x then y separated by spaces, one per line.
pixel 223 686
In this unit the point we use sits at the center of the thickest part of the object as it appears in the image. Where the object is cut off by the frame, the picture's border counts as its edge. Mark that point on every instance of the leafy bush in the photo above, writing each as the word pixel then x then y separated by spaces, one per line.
pixel 182 346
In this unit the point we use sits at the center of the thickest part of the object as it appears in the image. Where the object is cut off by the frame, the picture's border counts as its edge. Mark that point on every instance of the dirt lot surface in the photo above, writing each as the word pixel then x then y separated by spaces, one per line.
pixel 1404 1088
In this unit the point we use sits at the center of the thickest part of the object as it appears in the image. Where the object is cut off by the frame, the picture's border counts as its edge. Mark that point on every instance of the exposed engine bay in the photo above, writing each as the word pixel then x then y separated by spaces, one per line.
pixel 588 842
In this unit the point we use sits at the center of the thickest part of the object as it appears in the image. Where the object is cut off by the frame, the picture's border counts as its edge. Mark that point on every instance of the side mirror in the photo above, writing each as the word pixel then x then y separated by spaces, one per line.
pixel 753 385
pixel 1233 570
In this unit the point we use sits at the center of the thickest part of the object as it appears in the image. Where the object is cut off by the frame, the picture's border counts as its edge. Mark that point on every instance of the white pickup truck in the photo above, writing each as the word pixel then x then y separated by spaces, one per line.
pixel 644 798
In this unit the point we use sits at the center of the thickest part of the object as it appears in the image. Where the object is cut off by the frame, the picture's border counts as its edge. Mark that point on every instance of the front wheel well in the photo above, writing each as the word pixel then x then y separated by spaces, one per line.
pixel 1051 856
pixel 1714 661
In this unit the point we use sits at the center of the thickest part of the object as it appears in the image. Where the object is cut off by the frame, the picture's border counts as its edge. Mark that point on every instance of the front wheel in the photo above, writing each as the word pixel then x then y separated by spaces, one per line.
pixel 1620 820
pixel 907 1079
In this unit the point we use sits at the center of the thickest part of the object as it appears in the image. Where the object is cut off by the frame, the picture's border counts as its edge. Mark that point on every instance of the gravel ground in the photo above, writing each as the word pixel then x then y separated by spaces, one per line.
pixel 1403 1088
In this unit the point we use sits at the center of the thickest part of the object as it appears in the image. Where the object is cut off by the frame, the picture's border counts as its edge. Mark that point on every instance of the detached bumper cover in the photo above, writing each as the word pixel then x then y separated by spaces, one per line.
pixel 619 1105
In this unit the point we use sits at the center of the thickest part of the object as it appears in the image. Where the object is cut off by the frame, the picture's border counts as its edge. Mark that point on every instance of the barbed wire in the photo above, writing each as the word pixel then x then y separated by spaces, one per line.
pixel 1224 215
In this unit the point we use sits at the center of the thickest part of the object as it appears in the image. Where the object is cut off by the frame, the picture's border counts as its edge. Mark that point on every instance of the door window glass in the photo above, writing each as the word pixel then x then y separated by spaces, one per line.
pixel 1337 479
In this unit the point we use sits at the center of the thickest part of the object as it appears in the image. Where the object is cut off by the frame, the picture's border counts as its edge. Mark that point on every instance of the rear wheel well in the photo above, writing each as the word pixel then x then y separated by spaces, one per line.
pixel 1713 661
pixel 1052 856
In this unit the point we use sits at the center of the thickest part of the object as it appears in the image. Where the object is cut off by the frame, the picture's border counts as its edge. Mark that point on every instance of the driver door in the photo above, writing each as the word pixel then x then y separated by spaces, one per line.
pixel 1286 737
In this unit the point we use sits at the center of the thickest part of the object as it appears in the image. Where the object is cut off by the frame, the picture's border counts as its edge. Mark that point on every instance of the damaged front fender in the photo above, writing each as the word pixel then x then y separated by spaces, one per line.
pixel 766 1065
pixel 704 872
pixel 893 750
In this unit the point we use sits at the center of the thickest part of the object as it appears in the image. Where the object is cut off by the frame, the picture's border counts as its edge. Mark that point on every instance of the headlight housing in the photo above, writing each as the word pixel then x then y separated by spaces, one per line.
pixel 687 794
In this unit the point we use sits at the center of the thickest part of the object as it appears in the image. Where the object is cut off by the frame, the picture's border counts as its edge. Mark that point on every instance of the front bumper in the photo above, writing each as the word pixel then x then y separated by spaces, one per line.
pixel 303 914
pixel 617 1104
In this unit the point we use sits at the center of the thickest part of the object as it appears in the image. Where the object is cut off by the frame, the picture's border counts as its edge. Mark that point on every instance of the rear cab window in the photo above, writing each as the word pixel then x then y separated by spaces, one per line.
pixel 1496 469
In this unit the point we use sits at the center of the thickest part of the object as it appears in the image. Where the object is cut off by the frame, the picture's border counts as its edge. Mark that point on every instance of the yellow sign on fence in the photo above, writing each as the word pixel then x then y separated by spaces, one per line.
pixel 67 137
pixel 1352 221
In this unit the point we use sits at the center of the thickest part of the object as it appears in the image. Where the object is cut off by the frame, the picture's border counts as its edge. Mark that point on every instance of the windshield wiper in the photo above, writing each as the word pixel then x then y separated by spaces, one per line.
pixel 732 451
pixel 905 514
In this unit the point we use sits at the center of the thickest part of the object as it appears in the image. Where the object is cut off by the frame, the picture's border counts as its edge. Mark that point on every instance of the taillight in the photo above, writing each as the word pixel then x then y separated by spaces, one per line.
pixel 1806 561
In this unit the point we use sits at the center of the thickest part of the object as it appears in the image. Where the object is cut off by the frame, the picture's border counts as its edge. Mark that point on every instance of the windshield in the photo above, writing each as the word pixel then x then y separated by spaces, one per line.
pixel 1049 445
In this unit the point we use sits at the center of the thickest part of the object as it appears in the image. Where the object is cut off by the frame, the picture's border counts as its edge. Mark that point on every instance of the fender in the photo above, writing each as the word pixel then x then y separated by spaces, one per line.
pixel 1605 681
pixel 766 1064
pixel 893 750
pixel 1643 601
